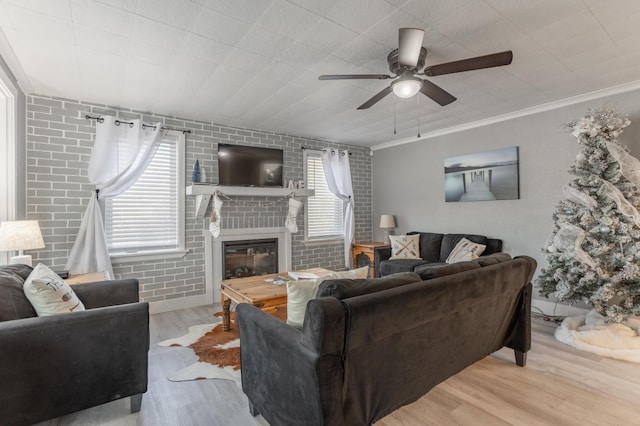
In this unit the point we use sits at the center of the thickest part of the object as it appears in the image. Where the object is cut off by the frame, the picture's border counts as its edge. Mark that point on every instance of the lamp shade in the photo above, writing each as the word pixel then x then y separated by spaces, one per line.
pixel 20 235
pixel 387 221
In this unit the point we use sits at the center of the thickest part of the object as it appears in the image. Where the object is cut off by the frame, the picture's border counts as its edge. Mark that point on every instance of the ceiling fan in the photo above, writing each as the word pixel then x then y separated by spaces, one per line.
pixel 407 60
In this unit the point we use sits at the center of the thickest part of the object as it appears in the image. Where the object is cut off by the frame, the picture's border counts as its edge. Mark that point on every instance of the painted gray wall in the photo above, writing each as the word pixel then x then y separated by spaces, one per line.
pixel 408 180
pixel 59 142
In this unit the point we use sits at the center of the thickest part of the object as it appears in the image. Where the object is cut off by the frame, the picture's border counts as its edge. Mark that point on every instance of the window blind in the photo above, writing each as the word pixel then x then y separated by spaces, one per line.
pixel 324 212
pixel 145 217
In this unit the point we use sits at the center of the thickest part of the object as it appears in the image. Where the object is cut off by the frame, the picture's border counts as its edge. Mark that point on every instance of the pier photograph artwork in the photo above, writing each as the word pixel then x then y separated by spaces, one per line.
pixel 484 176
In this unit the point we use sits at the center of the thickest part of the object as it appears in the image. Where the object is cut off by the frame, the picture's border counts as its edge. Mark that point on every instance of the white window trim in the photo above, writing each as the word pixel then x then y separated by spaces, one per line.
pixel 317 241
pixel 8 143
pixel 180 182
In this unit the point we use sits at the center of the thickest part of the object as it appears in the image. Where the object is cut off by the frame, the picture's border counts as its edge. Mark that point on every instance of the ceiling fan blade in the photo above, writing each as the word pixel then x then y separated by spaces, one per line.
pixel 409 45
pixel 479 62
pixel 436 93
pixel 355 77
pixel 384 92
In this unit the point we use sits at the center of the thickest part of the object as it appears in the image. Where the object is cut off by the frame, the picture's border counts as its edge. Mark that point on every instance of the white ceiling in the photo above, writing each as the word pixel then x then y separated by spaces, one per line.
pixel 255 63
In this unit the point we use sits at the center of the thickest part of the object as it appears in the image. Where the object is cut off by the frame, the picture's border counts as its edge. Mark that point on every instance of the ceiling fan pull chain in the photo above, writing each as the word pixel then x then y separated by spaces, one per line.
pixel 418 97
pixel 394 114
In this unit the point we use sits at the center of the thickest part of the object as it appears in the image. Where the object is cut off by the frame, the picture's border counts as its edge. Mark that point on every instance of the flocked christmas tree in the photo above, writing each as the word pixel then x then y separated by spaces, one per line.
pixel 594 252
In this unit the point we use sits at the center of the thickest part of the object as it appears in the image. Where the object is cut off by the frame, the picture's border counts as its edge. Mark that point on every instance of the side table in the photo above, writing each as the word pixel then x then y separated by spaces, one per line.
pixel 363 255
pixel 90 277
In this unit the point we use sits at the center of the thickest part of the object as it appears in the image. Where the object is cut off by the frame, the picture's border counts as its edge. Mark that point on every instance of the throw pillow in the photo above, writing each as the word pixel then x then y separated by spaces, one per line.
pixel 13 303
pixel 357 273
pixel 49 294
pixel 300 292
pixel 405 246
pixel 298 295
pixel 465 250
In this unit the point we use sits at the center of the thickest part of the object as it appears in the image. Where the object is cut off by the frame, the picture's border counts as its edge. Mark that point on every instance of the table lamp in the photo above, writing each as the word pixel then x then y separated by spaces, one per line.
pixel 20 235
pixel 387 222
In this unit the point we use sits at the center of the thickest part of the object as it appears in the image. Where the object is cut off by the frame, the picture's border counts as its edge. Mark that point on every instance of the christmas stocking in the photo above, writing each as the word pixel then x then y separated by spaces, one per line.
pixel 290 222
pixel 214 226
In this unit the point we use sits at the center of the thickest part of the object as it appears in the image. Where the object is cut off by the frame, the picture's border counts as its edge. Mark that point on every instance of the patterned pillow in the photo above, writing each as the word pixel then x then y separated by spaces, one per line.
pixel 405 246
pixel 465 250
pixel 49 294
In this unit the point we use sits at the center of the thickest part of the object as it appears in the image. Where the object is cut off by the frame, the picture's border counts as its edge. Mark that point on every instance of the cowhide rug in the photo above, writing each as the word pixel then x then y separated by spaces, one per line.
pixel 218 351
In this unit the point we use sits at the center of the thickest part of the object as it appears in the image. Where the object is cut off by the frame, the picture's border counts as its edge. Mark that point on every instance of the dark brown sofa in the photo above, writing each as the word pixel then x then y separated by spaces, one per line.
pixel 434 250
pixel 59 364
pixel 368 347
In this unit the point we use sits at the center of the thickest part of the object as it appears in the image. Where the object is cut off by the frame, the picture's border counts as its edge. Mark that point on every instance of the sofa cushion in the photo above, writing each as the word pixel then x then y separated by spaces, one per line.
pixel 405 246
pixel 13 302
pixel 435 270
pixel 49 294
pixel 344 288
pixel 399 265
pixel 465 250
pixel 430 245
pixel 449 242
pixel 492 259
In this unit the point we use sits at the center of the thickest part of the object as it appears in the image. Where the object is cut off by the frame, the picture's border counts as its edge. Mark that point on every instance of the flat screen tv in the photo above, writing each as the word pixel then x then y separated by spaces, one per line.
pixel 240 165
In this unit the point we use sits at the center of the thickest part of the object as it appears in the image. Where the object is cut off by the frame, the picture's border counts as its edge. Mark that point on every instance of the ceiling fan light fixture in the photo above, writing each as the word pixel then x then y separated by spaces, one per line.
pixel 406 87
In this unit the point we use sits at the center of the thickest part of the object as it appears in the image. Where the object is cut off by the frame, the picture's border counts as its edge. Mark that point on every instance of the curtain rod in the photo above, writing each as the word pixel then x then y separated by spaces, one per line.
pixel 323 149
pixel 119 122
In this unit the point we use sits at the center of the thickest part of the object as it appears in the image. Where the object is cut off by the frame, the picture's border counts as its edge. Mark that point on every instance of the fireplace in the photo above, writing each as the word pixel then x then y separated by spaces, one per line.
pixel 214 271
pixel 246 258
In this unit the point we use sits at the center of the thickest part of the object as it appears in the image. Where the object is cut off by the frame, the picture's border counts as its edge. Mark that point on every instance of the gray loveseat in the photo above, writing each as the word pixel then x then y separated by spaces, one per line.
pixel 55 365
pixel 368 347
pixel 434 250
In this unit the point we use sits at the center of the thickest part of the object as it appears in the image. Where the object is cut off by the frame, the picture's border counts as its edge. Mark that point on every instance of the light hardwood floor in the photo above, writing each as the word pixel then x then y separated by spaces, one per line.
pixel 559 386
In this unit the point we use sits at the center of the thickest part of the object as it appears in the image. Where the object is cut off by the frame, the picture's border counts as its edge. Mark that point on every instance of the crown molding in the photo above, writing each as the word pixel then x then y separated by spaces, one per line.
pixel 15 68
pixel 615 90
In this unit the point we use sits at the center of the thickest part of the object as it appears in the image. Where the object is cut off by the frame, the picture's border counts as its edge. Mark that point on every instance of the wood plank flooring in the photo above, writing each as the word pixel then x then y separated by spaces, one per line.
pixel 559 386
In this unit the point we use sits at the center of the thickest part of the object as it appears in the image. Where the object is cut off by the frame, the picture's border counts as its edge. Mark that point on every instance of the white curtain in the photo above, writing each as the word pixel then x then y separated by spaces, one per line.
pixel 338 173
pixel 120 154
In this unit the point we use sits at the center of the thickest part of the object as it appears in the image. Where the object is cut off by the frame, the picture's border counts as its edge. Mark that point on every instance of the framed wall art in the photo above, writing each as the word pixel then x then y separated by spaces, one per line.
pixel 483 176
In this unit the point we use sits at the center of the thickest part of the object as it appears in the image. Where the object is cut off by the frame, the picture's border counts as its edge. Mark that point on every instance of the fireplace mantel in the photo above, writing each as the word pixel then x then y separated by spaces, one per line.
pixel 205 191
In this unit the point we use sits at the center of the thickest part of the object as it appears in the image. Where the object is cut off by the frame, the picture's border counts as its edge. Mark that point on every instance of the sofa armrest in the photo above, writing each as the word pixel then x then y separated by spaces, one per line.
pixel 283 378
pixel 107 293
pixel 77 360
pixel 380 254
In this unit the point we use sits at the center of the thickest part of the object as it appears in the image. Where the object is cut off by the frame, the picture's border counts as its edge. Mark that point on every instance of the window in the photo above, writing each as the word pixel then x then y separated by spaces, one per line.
pixel 324 212
pixel 10 158
pixel 148 218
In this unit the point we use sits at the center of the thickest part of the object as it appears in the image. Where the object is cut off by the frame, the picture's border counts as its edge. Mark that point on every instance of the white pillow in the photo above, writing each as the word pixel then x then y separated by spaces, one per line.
pixel 465 250
pixel 49 294
pixel 300 292
pixel 405 246
pixel 298 295
pixel 353 274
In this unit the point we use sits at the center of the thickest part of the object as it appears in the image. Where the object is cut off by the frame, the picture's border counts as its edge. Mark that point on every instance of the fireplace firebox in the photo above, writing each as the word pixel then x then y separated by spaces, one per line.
pixel 247 258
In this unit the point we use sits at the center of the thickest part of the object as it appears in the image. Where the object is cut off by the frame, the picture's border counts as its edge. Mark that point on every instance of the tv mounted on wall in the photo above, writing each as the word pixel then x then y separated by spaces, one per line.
pixel 240 165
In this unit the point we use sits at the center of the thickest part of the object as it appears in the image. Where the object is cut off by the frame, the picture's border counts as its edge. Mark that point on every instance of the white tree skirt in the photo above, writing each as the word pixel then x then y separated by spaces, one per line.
pixel 591 334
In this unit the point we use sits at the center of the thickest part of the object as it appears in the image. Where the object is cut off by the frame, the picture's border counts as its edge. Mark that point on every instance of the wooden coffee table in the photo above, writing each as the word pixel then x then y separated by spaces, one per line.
pixel 256 291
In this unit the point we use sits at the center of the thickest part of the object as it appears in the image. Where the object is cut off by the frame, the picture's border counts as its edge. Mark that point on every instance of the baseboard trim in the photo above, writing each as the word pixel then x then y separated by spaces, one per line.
pixel 556 309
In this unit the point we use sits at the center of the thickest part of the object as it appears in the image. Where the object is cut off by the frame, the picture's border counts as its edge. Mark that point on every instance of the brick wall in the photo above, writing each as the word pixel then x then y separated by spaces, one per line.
pixel 59 142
